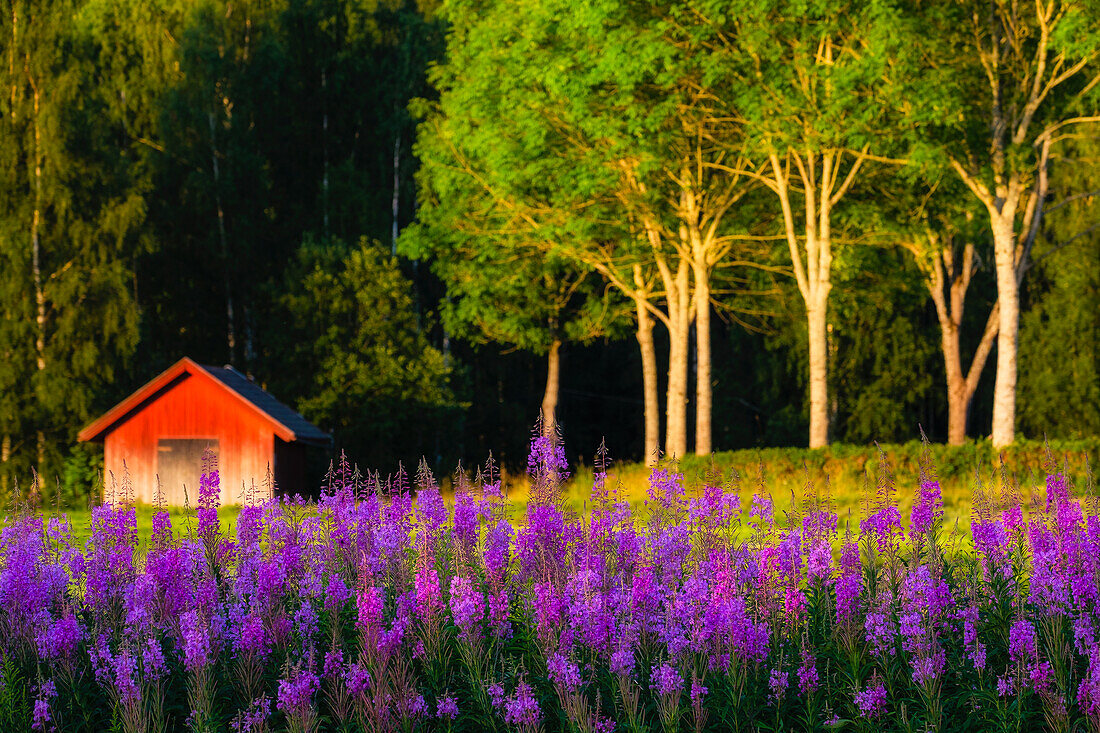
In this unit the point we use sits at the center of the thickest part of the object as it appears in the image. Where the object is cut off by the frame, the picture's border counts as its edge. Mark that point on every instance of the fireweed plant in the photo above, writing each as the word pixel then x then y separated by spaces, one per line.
pixel 380 608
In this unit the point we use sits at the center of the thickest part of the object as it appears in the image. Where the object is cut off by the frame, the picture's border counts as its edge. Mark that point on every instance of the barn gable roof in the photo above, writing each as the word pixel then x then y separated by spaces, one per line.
pixel 285 422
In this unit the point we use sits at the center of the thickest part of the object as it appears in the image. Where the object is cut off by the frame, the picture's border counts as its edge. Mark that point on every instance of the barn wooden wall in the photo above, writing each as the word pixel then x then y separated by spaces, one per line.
pixel 194 407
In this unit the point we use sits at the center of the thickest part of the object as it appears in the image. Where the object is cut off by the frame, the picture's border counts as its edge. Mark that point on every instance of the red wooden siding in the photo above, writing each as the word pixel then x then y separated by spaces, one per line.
pixel 193 406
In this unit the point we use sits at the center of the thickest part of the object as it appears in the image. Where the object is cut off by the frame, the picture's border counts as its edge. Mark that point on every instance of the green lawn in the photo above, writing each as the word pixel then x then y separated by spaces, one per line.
pixel 181 519
pixel 851 472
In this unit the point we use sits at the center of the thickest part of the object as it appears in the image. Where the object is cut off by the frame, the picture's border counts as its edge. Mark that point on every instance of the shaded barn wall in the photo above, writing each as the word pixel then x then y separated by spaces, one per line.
pixel 290 468
pixel 196 408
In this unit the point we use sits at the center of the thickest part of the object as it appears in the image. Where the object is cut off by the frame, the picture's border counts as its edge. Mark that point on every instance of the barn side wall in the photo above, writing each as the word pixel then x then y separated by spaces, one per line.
pixel 192 408
pixel 290 468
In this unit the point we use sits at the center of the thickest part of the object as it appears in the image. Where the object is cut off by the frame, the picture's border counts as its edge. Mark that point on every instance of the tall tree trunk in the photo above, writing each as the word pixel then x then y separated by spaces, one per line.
pixel 550 394
pixel 958 404
pixel 703 386
pixel 814 277
pixel 651 400
pixel 948 281
pixel 680 316
pixel 5 456
pixel 1008 295
pixel 819 370
pixel 227 281
pixel 36 268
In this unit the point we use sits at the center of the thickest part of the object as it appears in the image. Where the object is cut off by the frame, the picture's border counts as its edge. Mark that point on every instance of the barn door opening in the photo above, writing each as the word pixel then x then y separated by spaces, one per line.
pixel 179 465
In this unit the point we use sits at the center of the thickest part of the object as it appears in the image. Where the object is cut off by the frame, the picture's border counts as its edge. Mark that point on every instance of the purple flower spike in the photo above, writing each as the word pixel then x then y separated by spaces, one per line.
pixel 563 673
pixel 807 673
pixel 1021 642
pixel 358 680
pixel 928 510
pixel 297 691
pixel 496 694
pixel 41 719
pixel 521 709
pixel 446 708
pixel 467 606
pixel 666 680
pixel 885 527
pixel 872 701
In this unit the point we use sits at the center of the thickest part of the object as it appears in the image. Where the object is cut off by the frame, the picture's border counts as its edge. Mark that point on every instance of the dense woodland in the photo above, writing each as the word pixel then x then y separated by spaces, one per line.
pixel 682 226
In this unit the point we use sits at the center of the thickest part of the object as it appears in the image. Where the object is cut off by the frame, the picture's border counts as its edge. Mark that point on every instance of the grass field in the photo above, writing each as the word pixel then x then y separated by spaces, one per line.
pixel 668 622
pixel 844 475
pixel 182 518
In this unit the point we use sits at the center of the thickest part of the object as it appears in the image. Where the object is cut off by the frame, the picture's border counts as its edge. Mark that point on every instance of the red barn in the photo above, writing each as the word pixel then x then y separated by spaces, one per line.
pixel 163 429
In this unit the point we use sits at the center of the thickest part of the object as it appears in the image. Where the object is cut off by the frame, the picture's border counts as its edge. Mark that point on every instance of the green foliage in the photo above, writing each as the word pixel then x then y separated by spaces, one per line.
pixel 15 703
pixel 70 224
pixel 1059 374
pixel 946 93
pixel 807 76
pixel 1059 357
pixel 499 288
pixel 886 367
pixel 81 476
pixel 146 252
pixel 362 361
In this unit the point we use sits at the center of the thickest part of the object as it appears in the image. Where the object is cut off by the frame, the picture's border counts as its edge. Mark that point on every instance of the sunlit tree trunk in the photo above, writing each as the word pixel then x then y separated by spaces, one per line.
pixel 1035 87
pixel 1010 253
pixel 5 456
pixel 821 187
pixel 817 328
pixel 677 289
pixel 550 394
pixel 703 386
pixel 1008 295
pixel 651 398
pixel 36 268
pixel 948 279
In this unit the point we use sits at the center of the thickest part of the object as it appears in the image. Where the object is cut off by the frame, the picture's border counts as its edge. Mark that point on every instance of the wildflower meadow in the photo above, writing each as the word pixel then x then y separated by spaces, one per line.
pixel 383 607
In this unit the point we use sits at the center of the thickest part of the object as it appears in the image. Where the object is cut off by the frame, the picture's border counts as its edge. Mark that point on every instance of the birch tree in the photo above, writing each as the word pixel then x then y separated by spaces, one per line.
pixel 1059 389
pixel 68 216
pixel 1008 81
pixel 501 286
pixel 945 246
pixel 808 83
pixel 617 158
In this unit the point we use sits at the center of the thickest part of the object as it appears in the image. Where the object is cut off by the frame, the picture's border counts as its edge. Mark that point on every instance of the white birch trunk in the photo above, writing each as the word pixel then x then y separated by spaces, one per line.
pixel 819 372
pixel 1008 295
pixel 679 313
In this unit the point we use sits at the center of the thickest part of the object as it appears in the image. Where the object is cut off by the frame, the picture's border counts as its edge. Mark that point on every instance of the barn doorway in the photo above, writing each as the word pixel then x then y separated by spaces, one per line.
pixel 179 465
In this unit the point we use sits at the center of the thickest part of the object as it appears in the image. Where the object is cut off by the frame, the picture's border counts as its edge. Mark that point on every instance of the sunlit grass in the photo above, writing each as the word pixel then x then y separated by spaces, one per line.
pixel 847 477
pixel 182 519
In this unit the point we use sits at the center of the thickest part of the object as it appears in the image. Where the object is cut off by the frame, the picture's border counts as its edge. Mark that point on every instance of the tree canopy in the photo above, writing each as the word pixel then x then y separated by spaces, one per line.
pixel 677 226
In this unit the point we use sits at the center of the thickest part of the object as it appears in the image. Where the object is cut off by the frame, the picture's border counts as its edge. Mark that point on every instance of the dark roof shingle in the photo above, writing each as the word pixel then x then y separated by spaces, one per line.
pixel 304 430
